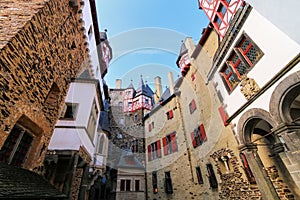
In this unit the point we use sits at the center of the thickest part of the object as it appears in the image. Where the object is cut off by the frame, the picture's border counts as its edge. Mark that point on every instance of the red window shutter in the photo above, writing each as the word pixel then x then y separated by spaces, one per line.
pixel 193 139
pixel 223 115
pixel 158 149
pixel 203 134
pixel 173 142
pixel 193 76
pixel 165 146
pixel 149 127
pixel 193 104
pixel 171 114
pixel 149 153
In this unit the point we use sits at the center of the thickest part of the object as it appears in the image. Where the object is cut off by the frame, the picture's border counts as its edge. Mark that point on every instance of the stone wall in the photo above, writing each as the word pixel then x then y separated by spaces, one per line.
pixel 233 185
pixel 281 187
pixel 42 47
pixel 131 130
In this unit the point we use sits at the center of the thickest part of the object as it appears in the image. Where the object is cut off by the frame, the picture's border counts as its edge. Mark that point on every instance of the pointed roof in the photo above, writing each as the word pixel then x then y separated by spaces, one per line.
pixel 183 49
pixel 141 82
pixel 130 86
pixel 85 74
pixel 144 89
pixel 129 160
pixel 165 95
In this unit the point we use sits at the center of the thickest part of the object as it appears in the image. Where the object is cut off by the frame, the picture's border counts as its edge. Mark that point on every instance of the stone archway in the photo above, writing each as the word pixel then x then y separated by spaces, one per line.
pixel 261 146
pixel 285 109
pixel 285 100
pixel 250 119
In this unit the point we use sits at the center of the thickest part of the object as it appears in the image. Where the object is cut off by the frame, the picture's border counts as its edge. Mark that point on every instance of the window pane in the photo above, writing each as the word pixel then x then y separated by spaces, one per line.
pixel 122 187
pixel 234 59
pixel 245 44
pixel 228 71
pixel 154 182
pixel 223 10
pixel 199 175
pixel 252 54
pixel 9 144
pixel 241 68
pixel 137 185
pixel 168 183
pixel 127 185
pixel 21 152
pixel 233 81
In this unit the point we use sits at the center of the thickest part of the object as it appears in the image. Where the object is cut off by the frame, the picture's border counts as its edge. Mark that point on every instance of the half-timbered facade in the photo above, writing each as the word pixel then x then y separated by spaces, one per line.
pixel 220 13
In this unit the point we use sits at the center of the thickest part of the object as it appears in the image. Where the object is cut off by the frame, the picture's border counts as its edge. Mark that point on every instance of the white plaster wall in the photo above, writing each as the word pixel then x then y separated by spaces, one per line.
pixel 284 14
pixel 263 101
pixel 70 139
pixel 278 50
pixel 93 52
pixel 88 21
pixel 84 94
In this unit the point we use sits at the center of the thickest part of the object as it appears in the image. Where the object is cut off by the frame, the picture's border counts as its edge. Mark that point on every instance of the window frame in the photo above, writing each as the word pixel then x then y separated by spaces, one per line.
pixel 135 146
pixel 74 109
pixel 211 176
pixel 192 106
pixel 168 183
pixel 242 58
pixel 198 136
pixel 170 114
pixel 15 151
pixel 154 150
pixel 154 182
pixel 170 143
pixel 137 187
pixel 125 183
pixel 199 175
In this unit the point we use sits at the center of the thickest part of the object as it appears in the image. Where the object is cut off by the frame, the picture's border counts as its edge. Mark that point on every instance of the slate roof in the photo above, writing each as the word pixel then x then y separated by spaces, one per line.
pixel 85 74
pixel 18 183
pixel 183 49
pixel 144 89
pixel 165 95
pixel 128 160
pixel 130 86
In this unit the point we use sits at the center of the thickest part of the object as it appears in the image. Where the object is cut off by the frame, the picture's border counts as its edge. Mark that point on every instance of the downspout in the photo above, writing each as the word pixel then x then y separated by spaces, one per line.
pixel 177 94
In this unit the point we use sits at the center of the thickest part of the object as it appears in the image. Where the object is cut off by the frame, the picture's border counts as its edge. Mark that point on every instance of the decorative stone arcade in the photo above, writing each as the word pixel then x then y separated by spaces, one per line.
pixel 270 141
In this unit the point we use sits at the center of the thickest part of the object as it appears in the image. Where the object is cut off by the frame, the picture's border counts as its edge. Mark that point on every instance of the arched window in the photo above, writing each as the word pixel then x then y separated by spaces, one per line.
pixel 101 144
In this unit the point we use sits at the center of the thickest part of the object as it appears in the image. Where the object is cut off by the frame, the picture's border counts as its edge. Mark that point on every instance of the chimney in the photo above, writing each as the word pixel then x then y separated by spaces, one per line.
pixel 158 88
pixel 118 84
pixel 171 82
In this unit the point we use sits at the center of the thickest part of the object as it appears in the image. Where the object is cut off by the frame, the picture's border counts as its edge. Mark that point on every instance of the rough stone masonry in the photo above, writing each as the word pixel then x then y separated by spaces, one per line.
pixel 41 49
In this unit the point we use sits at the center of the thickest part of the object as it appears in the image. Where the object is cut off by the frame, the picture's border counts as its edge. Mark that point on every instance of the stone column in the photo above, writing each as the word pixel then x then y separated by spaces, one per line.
pixel 263 182
pixel 84 183
pixel 70 176
pixel 289 158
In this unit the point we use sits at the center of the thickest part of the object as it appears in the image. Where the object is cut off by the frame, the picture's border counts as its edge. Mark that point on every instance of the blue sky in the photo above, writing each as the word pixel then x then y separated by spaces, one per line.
pixel 146 36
